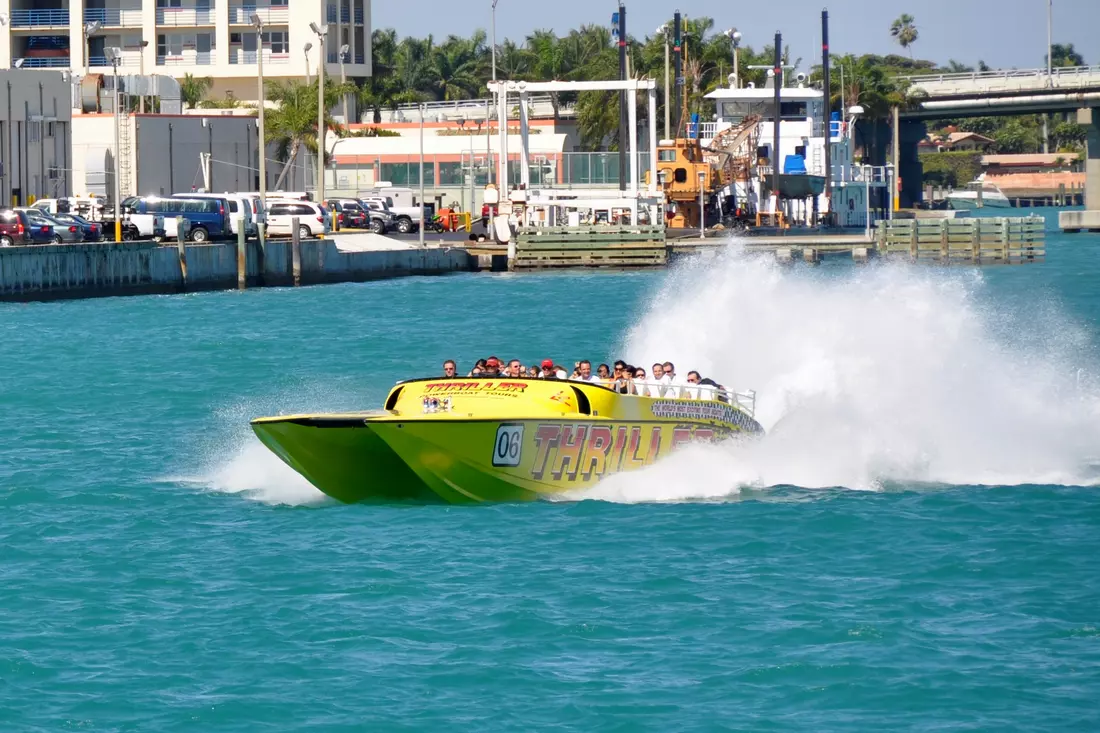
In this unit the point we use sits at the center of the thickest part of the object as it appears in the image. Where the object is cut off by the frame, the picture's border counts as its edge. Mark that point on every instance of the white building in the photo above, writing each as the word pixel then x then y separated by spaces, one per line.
pixel 35 135
pixel 205 38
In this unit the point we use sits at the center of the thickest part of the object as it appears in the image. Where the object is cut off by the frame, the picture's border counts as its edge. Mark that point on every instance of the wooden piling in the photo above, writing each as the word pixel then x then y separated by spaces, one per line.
pixel 242 261
pixel 181 247
pixel 295 252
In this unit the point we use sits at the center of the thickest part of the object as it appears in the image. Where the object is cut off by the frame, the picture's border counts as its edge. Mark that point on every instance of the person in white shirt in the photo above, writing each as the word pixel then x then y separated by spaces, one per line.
pixel 671 383
pixel 586 373
pixel 693 391
pixel 654 389
pixel 549 371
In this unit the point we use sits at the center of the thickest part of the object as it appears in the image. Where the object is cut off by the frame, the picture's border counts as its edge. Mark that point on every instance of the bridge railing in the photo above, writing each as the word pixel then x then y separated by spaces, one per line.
pixel 968 81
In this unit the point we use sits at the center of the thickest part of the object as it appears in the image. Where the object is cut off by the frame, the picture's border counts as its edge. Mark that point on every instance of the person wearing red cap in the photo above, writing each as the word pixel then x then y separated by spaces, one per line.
pixel 492 367
pixel 550 372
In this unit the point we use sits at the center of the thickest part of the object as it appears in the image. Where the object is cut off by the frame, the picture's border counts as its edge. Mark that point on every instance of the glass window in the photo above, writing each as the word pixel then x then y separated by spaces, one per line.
pixel 665 156
pixel 233 208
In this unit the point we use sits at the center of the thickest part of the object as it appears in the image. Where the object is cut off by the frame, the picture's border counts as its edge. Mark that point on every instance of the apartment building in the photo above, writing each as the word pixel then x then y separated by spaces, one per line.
pixel 206 38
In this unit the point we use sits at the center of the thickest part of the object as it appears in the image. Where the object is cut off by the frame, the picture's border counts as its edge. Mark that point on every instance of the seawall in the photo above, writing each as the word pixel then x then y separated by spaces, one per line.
pixel 48 272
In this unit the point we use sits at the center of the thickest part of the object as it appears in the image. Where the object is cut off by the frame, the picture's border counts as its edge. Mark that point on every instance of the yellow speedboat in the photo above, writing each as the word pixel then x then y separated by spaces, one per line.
pixel 493 439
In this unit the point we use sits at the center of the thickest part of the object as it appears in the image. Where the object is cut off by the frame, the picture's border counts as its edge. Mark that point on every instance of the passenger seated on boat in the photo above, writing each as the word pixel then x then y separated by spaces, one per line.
pixel 479 367
pixel 514 370
pixel 584 373
pixel 624 383
pixel 693 392
pixel 718 393
pixel 550 370
pixel 492 367
pixel 671 383
pixel 533 372
pixel 449 368
pixel 603 371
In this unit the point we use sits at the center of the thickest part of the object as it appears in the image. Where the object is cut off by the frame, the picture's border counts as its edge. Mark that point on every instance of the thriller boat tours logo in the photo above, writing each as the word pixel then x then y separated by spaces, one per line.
pixel 585 452
pixel 505 388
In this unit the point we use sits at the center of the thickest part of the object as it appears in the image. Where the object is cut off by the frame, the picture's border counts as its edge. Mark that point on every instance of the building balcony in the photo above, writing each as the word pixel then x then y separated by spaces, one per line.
pixel 270 15
pixel 185 17
pixel 127 17
pixel 187 58
pixel 57 18
pixel 237 56
pixel 43 62
pixel 128 59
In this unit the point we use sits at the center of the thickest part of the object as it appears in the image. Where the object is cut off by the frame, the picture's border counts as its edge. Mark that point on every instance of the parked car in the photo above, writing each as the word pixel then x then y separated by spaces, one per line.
pixel 92 231
pixel 312 219
pixel 349 213
pixel 14 229
pixel 402 222
pixel 152 214
pixel 60 233
pixel 405 214
pixel 237 204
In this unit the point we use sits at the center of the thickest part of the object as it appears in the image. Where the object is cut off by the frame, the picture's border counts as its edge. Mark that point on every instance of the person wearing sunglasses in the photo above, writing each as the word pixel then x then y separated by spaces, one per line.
pixel 449 369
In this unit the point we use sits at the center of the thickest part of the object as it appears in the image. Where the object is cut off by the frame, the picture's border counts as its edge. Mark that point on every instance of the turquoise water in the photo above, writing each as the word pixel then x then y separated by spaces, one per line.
pixel 912 547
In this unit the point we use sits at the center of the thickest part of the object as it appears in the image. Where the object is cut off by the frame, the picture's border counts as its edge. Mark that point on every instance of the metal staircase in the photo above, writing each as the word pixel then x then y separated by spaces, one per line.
pixel 124 152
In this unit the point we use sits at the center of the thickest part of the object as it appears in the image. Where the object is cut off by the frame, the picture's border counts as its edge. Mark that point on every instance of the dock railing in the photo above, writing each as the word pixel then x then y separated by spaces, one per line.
pixel 1001 239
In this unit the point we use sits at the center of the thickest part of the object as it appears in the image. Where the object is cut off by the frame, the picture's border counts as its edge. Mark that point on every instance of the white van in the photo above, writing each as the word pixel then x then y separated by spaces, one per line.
pixel 88 207
pixel 239 205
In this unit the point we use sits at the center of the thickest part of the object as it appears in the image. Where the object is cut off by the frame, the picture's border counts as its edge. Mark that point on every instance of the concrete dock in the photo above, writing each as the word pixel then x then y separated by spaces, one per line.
pixel 48 272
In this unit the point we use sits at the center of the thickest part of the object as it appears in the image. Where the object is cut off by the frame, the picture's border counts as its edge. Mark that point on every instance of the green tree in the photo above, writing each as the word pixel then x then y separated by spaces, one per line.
pixel 1065 55
pixel 194 88
pixel 292 122
pixel 904 30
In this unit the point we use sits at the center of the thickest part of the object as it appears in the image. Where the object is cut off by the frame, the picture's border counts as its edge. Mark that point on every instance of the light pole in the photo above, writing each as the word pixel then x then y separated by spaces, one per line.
pixel 344 50
pixel 488 132
pixel 114 55
pixel 735 38
pixel 305 52
pixel 494 39
pixel 261 144
pixel 322 34
pixel 141 98
pixel 1050 43
pixel 90 29
pixel 423 111
pixel 663 30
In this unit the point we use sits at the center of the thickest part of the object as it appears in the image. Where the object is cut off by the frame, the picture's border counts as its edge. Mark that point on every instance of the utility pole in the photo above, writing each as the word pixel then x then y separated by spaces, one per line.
pixel 678 64
pixel 1050 43
pixel 828 114
pixel 776 158
pixel 623 134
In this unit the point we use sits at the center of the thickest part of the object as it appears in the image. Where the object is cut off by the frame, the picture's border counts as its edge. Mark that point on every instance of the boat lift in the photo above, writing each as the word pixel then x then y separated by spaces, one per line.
pixel 557 201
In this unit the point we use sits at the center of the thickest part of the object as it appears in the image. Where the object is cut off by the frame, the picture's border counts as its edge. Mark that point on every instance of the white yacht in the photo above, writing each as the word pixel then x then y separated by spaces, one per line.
pixel 967 199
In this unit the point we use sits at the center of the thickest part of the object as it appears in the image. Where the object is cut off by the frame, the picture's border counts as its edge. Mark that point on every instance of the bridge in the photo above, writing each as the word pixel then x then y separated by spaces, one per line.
pixel 1004 92
pixel 1022 91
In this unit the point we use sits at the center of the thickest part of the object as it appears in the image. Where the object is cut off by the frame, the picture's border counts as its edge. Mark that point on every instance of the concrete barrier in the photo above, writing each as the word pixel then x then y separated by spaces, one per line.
pixel 1076 221
pixel 48 272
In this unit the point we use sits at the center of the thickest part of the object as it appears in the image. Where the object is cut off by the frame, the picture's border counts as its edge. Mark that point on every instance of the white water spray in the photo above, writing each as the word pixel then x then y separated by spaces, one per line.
pixel 887 373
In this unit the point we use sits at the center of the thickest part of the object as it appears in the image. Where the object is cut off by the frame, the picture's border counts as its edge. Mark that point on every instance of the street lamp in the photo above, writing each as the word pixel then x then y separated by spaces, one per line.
pixel 114 55
pixel 1050 43
pixel 663 31
pixel 322 34
pixel 305 52
pixel 423 114
pixel 735 38
pixel 494 39
pixel 90 29
pixel 344 51
pixel 141 100
pixel 261 144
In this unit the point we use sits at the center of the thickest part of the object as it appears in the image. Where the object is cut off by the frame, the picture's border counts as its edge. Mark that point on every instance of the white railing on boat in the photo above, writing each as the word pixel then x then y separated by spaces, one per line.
pixel 745 400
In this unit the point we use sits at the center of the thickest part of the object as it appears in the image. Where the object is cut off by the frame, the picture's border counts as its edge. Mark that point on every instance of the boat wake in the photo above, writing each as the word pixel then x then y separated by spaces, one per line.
pixel 235 462
pixel 872 376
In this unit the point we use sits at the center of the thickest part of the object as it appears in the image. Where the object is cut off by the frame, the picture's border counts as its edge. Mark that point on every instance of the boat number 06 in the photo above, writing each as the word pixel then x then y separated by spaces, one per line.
pixel 508 448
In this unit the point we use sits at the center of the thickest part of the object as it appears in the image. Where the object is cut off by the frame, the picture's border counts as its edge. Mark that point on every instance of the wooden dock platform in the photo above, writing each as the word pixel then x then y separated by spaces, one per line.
pixel 978 240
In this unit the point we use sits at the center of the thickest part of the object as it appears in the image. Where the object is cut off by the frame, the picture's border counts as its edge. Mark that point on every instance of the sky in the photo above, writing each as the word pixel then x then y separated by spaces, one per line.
pixel 1003 33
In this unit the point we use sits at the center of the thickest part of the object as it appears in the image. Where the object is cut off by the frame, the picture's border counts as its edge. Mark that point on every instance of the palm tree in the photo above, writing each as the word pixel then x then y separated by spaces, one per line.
pixel 454 68
pixel 293 122
pixel 904 30
pixel 193 89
